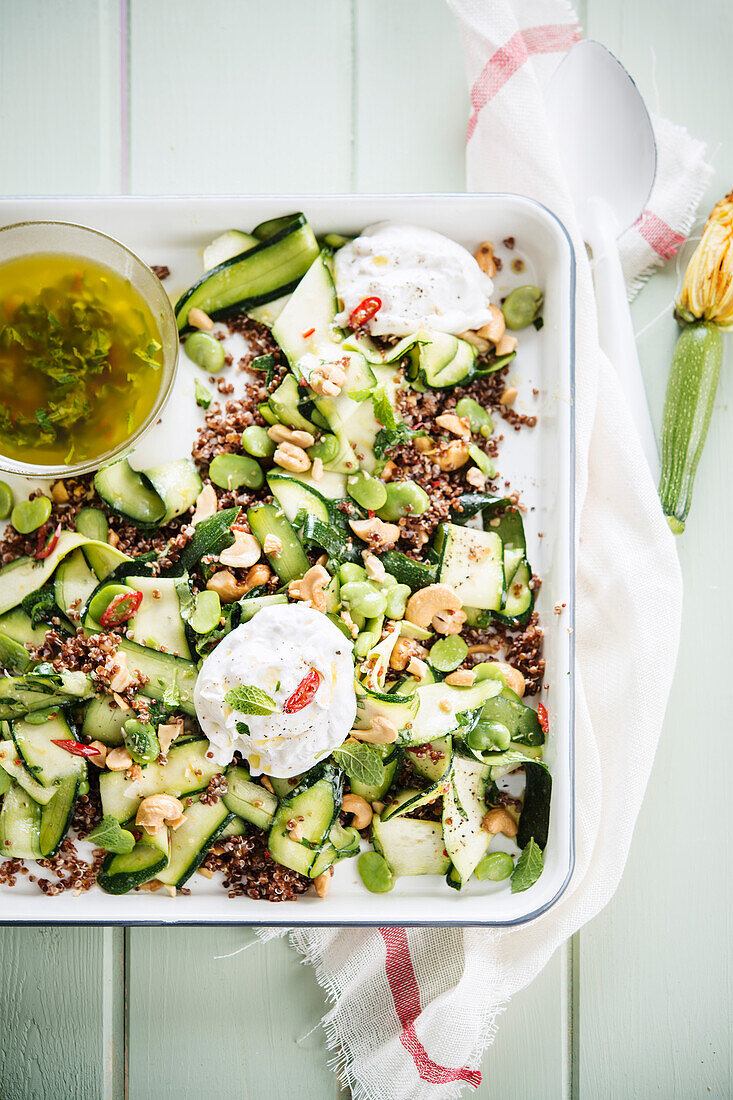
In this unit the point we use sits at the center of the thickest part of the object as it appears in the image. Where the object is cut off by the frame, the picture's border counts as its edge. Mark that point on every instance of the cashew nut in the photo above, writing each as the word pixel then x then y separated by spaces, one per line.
pixel 509 396
pixel 226 586
pixel 499 820
pixel 453 456
pixel 317 470
pixel 417 668
pixel 122 677
pixel 206 504
pixel 506 345
pixel 258 574
pixel 101 756
pixel 158 810
pixel 389 470
pixel 311 588
pixel 494 329
pixel 292 458
pixel 272 545
pixel 327 379
pixel 378 534
pixel 457 425
pixel 513 678
pixel 168 732
pixel 280 434
pixel 426 603
pixel 244 551
pixel 360 808
pixel 423 444
pixel 118 760
pixel 383 731
pixel 476 341
pixel 59 492
pixel 404 651
pixel 476 478
pixel 449 622
pixel 484 257
pixel 375 571
pixel 322 883
pixel 198 319
pixel 462 677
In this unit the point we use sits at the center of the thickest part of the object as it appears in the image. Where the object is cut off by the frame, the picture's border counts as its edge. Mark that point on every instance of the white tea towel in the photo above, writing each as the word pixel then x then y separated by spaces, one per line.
pixel 414 1009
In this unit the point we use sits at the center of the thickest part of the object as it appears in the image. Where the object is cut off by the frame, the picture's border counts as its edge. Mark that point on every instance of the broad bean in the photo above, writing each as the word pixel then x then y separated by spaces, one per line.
pixel 205 351
pixel 29 515
pixel 404 498
pixel 234 471
pixel 397 597
pixel 364 597
pixel 368 492
pixel 257 442
pixel 375 872
pixel 478 418
pixel 522 306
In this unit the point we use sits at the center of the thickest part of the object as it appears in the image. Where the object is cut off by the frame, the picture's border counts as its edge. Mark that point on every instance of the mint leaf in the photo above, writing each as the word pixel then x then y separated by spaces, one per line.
pixel 528 867
pixel 361 762
pixel 242 729
pixel 248 699
pixel 110 835
pixel 204 397
pixel 387 438
pixel 383 411
pixel 359 395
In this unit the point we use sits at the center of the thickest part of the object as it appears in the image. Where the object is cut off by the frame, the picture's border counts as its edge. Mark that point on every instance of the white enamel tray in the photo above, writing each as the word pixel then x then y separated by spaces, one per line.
pixel 539 463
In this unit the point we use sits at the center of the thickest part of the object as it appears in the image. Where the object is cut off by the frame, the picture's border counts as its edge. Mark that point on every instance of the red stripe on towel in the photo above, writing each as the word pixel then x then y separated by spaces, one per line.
pixel 509 58
pixel 406 997
pixel 662 238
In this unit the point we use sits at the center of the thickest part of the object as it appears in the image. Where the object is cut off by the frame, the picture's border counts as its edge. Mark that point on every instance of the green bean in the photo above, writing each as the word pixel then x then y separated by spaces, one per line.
pixel 6 500
pixel 205 351
pixel 477 416
pixel 364 597
pixel 495 866
pixel 369 492
pixel 482 460
pixel 29 515
pixel 350 571
pixel 234 471
pixel 522 306
pixel 326 448
pixel 92 523
pixel 404 498
pixel 448 654
pixel 397 597
pixel 489 736
pixel 375 873
pixel 257 442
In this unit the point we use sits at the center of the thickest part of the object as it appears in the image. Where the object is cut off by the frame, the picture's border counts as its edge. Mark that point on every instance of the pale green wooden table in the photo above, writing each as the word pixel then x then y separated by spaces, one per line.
pixel 151 96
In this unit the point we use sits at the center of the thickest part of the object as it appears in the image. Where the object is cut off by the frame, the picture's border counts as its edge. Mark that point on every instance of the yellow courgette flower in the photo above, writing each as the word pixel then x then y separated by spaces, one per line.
pixel 707 289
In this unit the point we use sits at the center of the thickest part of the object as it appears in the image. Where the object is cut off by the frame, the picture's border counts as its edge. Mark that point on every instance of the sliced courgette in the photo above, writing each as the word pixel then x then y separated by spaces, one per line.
pixel 178 484
pixel 73 583
pixel 149 857
pixel 464 809
pixel 103 721
pixel 130 493
pixel 314 806
pixel 249 800
pixel 439 707
pixel 471 562
pixel 170 679
pixel 191 841
pixel 267 271
pixel 295 498
pixel 188 770
pixel 290 562
pixel 20 825
pixel 411 846
pixel 48 763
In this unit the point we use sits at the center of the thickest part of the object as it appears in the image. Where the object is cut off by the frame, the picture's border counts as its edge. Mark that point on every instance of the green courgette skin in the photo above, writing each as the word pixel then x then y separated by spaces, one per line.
pixel 688 406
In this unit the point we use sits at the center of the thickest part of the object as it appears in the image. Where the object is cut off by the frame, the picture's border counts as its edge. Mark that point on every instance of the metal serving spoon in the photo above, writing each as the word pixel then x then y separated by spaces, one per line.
pixel 606 144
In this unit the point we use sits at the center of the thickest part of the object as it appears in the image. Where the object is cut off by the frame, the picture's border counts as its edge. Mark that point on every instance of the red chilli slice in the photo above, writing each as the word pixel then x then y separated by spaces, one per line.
pixel 543 718
pixel 121 608
pixel 364 312
pixel 46 550
pixel 304 693
pixel 75 747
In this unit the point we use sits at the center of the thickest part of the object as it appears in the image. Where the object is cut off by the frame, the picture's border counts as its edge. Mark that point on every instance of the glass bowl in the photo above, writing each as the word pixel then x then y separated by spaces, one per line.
pixel 67 238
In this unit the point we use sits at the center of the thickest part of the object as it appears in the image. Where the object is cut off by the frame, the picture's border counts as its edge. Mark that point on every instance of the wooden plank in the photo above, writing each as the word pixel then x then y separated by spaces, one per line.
pixel 240 98
pixel 61 1009
pixel 236 1028
pixel 60 104
pixel 411 100
pixel 656 991
pixel 537 1019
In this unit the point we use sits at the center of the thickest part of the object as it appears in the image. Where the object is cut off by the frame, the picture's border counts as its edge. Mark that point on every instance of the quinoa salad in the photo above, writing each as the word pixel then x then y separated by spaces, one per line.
pixel 314 639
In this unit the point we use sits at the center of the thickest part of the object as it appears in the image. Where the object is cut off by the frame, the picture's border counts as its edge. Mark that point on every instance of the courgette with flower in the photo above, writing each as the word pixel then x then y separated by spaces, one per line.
pixel 704 309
